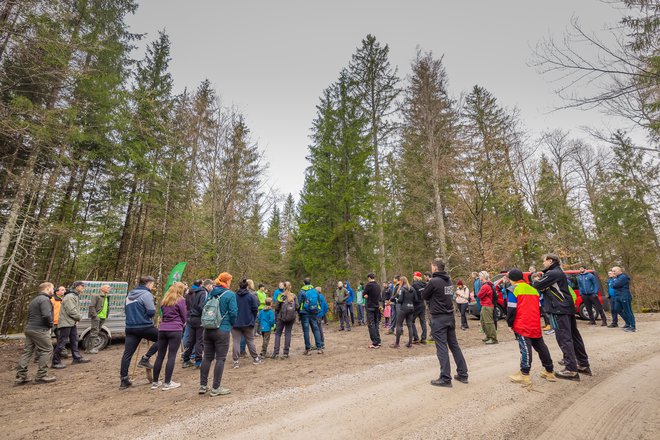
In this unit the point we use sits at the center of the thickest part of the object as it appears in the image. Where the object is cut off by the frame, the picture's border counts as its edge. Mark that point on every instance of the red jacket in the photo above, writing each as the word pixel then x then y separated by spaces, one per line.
pixel 524 311
pixel 486 295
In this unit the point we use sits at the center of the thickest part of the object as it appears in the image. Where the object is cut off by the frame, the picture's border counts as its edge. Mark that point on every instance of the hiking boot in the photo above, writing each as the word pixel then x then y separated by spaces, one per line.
pixel 187 364
pixel 45 379
pixel 462 379
pixel 585 370
pixel 58 366
pixel 80 361
pixel 491 342
pixel 548 375
pixel 170 386
pixel 319 351
pixel 408 345
pixel 630 329
pixel 21 381
pixel 235 364
pixel 569 375
pixel 613 325
pixel 441 383
pixel 307 353
pixel 603 324
pixel 125 383
pixel 275 356
pixel 521 378
pixel 257 361
pixel 144 363
pixel 547 327
pixel 485 339
pixel 94 351
pixel 202 390
pixel 156 385
pixel 219 391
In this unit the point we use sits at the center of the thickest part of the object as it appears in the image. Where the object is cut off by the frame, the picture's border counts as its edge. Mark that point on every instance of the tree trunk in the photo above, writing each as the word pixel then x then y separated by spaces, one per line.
pixel 439 209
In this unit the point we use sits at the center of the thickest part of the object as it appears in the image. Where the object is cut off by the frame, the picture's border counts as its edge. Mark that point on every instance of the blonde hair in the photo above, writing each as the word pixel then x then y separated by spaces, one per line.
pixel 174 293
pixel 404 282
pixel 485 275
pixel 45 286
pixel 250 284
pixel 288 295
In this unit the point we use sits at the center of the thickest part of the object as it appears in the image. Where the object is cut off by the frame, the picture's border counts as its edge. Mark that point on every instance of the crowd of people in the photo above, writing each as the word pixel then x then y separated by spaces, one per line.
pixel 205 316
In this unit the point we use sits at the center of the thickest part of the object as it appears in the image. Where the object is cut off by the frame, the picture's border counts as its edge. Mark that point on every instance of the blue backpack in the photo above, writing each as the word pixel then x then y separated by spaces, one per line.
pixel 311 305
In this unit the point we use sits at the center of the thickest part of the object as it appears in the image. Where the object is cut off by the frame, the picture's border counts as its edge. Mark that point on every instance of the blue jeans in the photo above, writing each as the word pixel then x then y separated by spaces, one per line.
pixel 307 320
pixel 626 312
pixel 360 308
pixel 615 309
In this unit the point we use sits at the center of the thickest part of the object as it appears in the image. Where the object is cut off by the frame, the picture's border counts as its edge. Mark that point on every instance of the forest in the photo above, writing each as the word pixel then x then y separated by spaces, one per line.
pixel 107 173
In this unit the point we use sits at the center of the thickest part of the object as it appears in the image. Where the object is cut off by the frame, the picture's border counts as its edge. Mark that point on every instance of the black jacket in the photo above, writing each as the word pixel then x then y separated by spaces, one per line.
pixel 419 288
pixel 407 298
pixel 196 302
pixel 557 298
pixel 40 313
pixel 372 294
pixel 439 292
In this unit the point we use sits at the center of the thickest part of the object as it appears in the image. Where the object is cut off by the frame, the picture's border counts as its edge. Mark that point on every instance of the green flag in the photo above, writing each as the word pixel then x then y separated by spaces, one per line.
pixel 175 275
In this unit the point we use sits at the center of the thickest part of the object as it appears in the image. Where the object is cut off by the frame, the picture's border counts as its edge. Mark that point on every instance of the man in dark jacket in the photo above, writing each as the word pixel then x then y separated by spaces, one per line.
pixel 68 325
pixel 248 308
pixel 558 302
pixel 621 286
pixel 37 337
pixel 372 298
pixel 588 285
pixel 439 292
pixel 420 309
pixel 195 343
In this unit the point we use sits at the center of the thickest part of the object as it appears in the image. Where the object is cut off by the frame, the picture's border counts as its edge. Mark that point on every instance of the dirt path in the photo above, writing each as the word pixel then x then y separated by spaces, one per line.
pixel 353 392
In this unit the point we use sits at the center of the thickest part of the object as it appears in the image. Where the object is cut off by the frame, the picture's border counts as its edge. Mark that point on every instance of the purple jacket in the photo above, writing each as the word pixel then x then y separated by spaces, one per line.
pixel 174 317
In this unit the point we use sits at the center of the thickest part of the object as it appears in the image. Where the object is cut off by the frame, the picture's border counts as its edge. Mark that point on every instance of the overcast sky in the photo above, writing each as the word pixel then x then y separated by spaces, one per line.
pixel 272 59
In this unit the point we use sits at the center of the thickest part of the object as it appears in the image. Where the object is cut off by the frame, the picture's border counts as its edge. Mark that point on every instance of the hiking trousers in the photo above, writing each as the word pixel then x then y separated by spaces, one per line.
pixel 216 346
pixel 443 330
pixel 70 335
pixel 287 328
pixel 526 344
pixel 37 343
pixel 248 334
pixel 487 322
pixel 342 312
pixel 570 341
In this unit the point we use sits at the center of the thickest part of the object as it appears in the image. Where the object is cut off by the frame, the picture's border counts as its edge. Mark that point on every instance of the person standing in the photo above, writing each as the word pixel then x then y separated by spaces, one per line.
pixel 98 312
pixel 287 306
pixel 349 303
pixel 420 309
pixel 463 302
pixel 195 303
pixel 309 306
pixel 621 286
pixel 523 311
pixel 174 312
pixel 323 311
pixel 394 304
pixel 56 301
pixel 140 311
pixel 359 302
pixel 216 341
pixel 438 292
pixel 37 337
pixel 372 296
pixel 266 319
pixel 588 285
pixel 486 297
pixel 558 302
pixel 248 308
pixel 476 288
pixel 615 307
pixel 407 299
pixel 341 296
pixel 67 325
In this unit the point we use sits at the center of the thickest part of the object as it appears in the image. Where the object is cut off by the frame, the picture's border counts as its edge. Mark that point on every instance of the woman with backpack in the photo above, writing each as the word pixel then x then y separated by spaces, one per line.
pixel 174 312
pixel 286 316
pixel 406 298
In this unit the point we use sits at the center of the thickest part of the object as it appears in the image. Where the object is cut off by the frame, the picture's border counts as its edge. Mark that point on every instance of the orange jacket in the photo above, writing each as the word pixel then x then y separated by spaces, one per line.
pixel 57 303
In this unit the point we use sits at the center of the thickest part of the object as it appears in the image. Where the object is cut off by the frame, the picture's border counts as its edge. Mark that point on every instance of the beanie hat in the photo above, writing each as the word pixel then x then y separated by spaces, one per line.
pixel 224 278
pixel 417 274
pixel 515 275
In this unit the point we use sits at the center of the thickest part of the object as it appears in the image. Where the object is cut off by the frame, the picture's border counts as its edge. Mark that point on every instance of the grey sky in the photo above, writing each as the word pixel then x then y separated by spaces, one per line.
pixel 272 59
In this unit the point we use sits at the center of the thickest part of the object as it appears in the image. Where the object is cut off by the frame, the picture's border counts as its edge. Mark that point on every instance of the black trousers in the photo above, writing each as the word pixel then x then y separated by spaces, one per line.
pixel 443 330
pixel 591 302
pixel 373 321
pixel 349 309
pixel 133 338
pixel 526 344
pixel 287 328
pixel 463 309
pixel 419 314
pixel 407 317
pixel 64 335
pixel 168 342
pixel 216 346
pixel 195 342
pixel 570 341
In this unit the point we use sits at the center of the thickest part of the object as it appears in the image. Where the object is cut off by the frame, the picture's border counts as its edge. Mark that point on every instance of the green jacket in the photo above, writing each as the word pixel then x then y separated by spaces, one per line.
pixel 261 296
pixel 341 295
pixel 96 305
pixel 70 310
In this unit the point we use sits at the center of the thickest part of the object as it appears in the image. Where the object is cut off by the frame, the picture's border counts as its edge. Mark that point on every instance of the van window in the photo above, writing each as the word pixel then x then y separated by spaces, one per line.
pixel 572 281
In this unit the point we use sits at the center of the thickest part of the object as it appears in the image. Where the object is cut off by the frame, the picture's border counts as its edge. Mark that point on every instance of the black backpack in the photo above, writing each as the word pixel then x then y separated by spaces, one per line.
pixel 288 311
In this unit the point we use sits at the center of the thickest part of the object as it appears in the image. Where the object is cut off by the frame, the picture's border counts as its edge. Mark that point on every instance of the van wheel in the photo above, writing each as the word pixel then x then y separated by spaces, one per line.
pixel 584 314
pixel 103 341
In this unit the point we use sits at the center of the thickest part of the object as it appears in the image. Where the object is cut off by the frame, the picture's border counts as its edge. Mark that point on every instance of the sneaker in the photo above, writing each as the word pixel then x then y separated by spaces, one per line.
pixel 485 339
pixel 319 351
pixel 548 375
pixel 58 366
pixel 463 328
pixel 170 386
pixel 613 325
pixel 604 324
pixel 80 361
pixel 156 385
pixel 21 381
pixel 562 363
pixel 45 379
pixel 274 356
pixel 523 379
pixel 630 329
pixel 491 342
pixel 441 383
pixel 219 392
pixel 144 363
pixel 235 364
pixel 569 375
pixel 187 364
pixel 257 361
pixel 585 370
pixel 374 346
pixel 462 379
pixel 307 353
pixel 550 332
pixel 202 390
pixel 408 345
pixel 125 383
pixel 94 351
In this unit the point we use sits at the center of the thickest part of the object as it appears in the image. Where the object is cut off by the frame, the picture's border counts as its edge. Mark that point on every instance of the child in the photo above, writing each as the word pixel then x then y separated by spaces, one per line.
pixel 523 317
pixel 387 312
pixel 266 320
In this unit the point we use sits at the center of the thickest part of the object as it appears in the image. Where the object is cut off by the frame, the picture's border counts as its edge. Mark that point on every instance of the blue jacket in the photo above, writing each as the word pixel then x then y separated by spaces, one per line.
pixel 621 286
pixel 351 294
pixel 140 308
pixel 587 283
pixel 324 306
pixel 248 307
pixel 276 296
pixel 610 290
pixel 302 297
pixel 266 319
pixel 228 307
pixel 477 288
